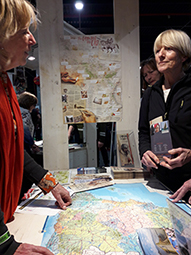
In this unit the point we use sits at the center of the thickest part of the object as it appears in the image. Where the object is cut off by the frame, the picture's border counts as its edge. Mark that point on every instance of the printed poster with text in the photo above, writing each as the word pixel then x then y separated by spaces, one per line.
pixel 90 72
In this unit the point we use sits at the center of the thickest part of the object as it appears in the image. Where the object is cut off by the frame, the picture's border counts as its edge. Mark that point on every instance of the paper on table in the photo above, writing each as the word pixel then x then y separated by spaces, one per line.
pixel 62 176
pixel 43 205
pixel 83 182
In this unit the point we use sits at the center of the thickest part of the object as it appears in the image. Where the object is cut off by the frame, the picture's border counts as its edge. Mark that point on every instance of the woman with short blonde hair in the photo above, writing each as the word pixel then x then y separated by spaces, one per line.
pixel 169 99
pixel 176 39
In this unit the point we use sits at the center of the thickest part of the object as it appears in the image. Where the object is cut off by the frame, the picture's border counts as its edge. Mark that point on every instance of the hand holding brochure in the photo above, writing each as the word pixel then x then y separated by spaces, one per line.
pixel 161 141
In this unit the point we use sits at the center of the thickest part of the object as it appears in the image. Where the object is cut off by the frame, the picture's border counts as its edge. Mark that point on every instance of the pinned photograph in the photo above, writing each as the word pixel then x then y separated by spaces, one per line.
pixel 97 100
pixel 88 116
pixel 69 119
pixel 84 94
pixel 78 119
pixel 124 148
pixel 64 98
pixel 66 78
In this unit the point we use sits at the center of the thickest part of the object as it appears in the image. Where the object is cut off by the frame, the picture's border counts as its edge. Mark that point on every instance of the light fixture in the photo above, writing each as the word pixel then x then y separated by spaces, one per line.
pixel 31 58
pixel 79 5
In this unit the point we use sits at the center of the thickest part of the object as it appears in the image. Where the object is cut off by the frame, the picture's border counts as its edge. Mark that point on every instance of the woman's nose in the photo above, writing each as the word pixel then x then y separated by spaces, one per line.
pixel 32 39
pixel 148 76
pixel 161 52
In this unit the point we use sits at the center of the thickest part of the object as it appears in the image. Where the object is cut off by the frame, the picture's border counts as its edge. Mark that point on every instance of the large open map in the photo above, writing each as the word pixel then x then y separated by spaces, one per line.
pixel 91 78
pixel 105 221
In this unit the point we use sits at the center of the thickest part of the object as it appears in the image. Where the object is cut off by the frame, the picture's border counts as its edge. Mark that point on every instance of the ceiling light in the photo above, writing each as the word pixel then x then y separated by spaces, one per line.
pixel 31 58
pixel 79 5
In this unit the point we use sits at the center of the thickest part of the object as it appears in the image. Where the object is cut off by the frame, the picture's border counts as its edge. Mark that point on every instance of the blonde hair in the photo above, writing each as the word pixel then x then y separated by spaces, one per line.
pixel 14 16
pixel 177 39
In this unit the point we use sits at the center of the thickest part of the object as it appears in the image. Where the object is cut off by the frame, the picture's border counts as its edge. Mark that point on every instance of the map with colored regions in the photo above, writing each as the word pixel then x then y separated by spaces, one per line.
pixel 104 221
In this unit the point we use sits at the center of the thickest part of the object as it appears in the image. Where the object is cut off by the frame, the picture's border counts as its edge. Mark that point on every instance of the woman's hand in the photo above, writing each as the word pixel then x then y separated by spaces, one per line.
pixel 62 196
pixel 35 148
pixel 181 192
pixel 149 159
pixel 26 248
pixel 184 156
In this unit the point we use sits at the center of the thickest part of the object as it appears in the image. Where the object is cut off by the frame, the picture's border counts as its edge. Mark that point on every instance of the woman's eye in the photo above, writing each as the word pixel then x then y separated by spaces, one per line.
pixel 25 31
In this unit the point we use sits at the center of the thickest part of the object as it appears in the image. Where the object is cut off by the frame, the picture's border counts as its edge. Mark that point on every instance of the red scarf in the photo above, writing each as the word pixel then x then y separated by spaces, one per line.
pixel 11 151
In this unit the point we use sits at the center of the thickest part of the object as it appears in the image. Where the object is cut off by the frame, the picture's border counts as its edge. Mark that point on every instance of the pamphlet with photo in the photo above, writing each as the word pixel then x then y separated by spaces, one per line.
pixel 161 141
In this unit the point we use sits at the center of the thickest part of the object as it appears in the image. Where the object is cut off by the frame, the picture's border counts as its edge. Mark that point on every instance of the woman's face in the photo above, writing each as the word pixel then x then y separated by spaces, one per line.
pixel 151 76
pixel 18 47
pixel 169 59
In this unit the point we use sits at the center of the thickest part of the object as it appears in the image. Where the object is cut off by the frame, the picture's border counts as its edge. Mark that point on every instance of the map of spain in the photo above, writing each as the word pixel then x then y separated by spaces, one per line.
pixel 105 221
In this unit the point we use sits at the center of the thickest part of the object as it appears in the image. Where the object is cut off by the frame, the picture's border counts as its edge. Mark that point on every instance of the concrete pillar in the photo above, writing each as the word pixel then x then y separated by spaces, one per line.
pixel 55 137
pixel 126 26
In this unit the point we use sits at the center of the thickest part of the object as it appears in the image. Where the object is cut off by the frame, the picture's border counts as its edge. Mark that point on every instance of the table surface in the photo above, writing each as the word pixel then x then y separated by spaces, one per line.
pixel 27 228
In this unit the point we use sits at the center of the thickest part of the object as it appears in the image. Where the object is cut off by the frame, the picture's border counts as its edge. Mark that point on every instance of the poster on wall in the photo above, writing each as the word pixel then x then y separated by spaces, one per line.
pixel 90 72
pixel 125 150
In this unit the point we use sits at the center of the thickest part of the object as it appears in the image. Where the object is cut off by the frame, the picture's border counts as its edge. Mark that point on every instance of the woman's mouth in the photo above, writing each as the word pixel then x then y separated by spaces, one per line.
pixel 161 63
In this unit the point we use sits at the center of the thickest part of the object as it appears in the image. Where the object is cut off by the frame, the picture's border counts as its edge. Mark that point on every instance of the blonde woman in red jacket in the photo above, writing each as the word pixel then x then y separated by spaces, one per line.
pixel 15 43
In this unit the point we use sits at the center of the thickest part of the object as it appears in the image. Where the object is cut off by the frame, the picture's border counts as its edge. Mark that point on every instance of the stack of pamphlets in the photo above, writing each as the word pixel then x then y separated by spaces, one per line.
pixel 129 172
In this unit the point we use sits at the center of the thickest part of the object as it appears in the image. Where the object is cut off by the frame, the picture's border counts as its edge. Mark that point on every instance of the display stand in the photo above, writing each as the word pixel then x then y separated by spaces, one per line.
pixel 127 153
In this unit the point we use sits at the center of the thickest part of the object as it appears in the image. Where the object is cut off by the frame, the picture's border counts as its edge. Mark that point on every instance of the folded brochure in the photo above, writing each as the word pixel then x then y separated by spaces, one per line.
pixel 84 182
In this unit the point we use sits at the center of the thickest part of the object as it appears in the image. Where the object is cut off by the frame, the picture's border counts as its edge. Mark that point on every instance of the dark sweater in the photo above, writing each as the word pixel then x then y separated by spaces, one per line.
pixel 177 110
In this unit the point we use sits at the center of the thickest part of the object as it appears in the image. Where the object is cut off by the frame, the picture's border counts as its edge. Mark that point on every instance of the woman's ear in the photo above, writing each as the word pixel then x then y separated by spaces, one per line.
pixel 184 59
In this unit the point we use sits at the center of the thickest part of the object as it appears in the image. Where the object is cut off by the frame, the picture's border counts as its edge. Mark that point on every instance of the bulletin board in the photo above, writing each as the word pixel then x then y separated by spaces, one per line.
pixel 90 72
